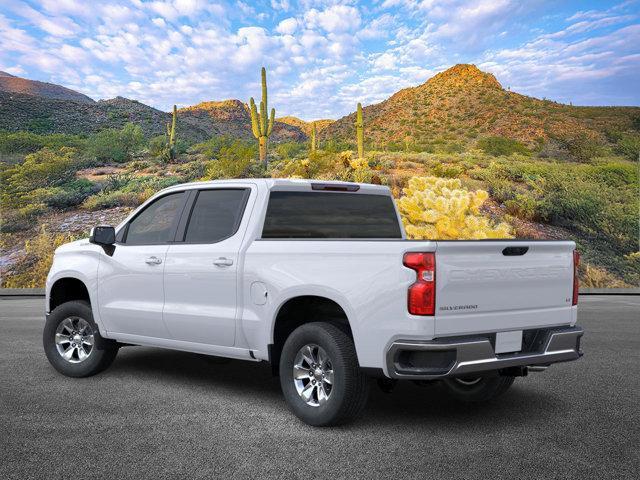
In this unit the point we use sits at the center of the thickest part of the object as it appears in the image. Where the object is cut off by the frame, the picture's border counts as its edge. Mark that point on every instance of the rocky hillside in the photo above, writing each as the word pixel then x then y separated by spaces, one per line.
pixel 464 103
pixel 48 108
pixel 305 126
pixel 20 111
pixel 232 118
pixel 12 84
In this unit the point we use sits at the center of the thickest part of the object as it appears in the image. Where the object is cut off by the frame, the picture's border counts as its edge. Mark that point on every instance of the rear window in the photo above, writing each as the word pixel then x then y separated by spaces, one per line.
pixel 330 215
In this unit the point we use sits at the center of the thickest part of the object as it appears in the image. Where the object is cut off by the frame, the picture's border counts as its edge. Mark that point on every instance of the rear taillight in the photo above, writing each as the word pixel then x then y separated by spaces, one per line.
pixel 576 283
pixel 421 298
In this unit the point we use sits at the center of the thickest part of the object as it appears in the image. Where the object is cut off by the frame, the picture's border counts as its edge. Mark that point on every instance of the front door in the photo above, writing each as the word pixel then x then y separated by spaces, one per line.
pixel 131 279
pixel 201 268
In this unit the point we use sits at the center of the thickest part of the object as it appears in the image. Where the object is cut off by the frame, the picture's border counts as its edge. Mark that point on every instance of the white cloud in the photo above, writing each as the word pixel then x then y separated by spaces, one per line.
pixel 280 5
pixel 287 26
pixel 159 22
pixel 335 19
pixel 57 26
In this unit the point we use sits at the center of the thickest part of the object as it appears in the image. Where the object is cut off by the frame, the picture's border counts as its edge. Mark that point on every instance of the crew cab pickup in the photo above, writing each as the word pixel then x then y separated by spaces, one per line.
pixel 318 279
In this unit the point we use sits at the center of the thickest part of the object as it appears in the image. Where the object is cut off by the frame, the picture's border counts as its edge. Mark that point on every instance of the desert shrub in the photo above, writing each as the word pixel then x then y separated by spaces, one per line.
pixel 115 199
pixel 23 218
pixel 68 195
pixel 45 168
pixel 629 146
pixel 157 145
pixel 289 150
pixel 232 160
pixel 116 145
pixel 191 171
pixel 319 164
pixel 599 201
pixel 216 145
pixel 594 277
pixel 498 146
pixel 28 142
pixel 336 146
pixel 437 208
pixel 39 256
pixel 116 182
pixel 582 146
pixel 40 125
pixel 522 206
pixel 447 171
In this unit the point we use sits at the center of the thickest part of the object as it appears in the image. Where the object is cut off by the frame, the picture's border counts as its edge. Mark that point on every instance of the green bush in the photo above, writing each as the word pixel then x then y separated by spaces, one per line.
pixel 232 160
pixel 212 147
pixel 157 145
pixel 523 206
pixel 44 169
pixel 581 146
pixel 447 171
pixel 116 145
pixel 113 199
pixel 16 220
pixel 68 195
pixel 629 146
pixel 289 150
pixel 28 142
pixel 498 146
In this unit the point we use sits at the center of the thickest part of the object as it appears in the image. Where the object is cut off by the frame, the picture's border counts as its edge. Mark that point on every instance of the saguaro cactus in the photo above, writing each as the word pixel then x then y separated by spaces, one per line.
pixel 314 138
pixel 360 132
pixel 260 124
pixel 171 135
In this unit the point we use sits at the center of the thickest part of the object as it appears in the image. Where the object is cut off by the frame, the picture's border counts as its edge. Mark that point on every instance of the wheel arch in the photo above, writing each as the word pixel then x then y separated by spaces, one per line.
pixel 301 309
pixel 66 289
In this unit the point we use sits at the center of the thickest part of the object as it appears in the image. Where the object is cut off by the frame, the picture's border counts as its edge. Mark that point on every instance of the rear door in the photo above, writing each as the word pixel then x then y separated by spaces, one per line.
pixel 488 286
pixel 201 267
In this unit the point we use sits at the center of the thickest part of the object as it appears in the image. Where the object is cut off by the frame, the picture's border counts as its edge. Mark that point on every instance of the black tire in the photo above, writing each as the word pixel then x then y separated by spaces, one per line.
pixel 350 388
pixel 101 355
pixel 477 389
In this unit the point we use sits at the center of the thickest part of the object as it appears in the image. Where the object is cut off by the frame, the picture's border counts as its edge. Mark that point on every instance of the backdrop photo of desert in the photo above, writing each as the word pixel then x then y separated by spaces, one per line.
pixel 550 171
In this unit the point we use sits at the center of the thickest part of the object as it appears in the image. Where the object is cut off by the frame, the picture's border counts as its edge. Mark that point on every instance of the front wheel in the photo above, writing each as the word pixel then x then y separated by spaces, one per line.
pixel 72 342
pixel 477 389
pixel 320 375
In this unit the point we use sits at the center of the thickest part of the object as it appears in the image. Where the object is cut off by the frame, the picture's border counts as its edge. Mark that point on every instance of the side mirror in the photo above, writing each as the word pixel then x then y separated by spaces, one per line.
pixel 103 235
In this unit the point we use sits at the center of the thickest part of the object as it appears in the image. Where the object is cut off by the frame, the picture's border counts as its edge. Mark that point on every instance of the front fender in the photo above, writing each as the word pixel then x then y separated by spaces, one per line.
pixel 80 264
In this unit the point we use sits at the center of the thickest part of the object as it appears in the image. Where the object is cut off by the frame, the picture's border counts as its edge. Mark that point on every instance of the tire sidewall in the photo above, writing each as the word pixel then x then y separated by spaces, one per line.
pixel 313 333
pixel 100 347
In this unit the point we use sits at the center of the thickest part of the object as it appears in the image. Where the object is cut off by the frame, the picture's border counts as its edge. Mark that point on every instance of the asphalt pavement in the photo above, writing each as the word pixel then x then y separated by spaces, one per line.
pixel 163 414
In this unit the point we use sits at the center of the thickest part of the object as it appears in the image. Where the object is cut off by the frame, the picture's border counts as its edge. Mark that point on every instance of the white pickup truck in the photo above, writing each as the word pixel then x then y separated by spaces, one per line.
pixel 318 279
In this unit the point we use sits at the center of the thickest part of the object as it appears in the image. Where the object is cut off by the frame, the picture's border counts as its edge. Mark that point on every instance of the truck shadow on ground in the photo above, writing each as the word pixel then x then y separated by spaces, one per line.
pixel 407 404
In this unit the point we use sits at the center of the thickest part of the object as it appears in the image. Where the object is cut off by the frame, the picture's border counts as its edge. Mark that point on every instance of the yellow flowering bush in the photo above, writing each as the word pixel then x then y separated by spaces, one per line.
pixel 440 208
pixel 39 256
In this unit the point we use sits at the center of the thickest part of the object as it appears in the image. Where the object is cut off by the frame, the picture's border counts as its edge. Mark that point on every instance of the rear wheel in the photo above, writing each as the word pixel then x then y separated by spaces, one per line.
pixel 320 375
pixel 72 342
pixel 477 389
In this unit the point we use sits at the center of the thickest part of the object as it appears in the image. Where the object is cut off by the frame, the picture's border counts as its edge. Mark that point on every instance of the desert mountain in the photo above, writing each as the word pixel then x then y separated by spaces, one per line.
pixel 463 103
pixel 305 126
pixel 48 108
pixel 232 117
pixel 12 84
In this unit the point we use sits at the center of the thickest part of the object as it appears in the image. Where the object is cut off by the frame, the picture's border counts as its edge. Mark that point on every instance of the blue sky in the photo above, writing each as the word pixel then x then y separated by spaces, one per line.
pixel 322 56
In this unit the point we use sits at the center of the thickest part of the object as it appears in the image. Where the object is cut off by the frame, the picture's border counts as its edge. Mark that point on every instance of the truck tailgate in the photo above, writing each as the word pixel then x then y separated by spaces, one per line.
pixel 488 286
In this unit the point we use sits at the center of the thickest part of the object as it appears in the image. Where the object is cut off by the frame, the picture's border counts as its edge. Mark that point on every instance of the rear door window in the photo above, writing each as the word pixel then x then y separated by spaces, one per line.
pixel 330 215
pixel 216 215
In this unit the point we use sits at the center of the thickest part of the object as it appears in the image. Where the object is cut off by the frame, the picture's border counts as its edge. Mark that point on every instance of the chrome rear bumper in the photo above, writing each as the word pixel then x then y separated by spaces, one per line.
pixel 459 356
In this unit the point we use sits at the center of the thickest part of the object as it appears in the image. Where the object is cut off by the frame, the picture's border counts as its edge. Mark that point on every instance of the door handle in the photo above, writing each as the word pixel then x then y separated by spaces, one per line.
pixel 153 261
pixel 223 262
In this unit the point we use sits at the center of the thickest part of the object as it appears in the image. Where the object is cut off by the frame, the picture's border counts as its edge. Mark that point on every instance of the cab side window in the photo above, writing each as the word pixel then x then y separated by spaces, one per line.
pixel 157 222
pixel 216 215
